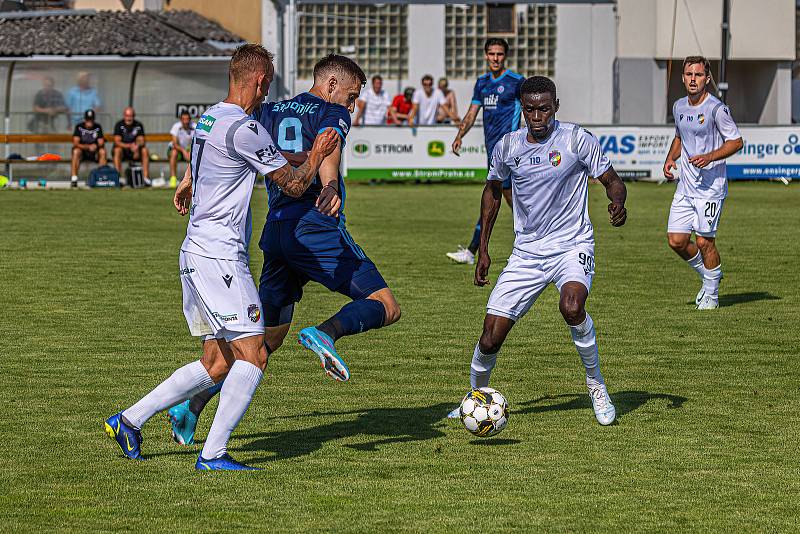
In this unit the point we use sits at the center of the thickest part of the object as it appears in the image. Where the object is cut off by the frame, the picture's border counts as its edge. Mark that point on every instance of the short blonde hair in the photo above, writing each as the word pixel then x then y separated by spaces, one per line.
pixel 248 59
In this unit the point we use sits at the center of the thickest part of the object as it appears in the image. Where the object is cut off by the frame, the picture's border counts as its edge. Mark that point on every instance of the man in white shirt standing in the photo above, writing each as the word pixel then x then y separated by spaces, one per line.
pixel 373 104
pixel 426 103
pixel 220 300
pixel 181 132
pixel 549 164
pixel 705 135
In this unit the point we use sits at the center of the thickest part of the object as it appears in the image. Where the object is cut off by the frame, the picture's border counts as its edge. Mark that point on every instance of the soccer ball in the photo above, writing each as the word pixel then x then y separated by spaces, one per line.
pixel 484 412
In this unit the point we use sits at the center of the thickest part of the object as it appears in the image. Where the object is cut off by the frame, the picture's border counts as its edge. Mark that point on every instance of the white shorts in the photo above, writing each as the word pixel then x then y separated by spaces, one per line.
pixel 689 214
pixel 220 299
pixel 523 280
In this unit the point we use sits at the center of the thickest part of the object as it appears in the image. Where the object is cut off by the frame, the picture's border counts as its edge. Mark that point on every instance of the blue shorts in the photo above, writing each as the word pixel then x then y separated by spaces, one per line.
pixel 317 249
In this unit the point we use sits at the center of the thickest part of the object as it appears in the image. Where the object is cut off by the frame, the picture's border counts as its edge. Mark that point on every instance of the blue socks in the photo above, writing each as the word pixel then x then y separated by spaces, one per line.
pixel 476 238
pixel 354 318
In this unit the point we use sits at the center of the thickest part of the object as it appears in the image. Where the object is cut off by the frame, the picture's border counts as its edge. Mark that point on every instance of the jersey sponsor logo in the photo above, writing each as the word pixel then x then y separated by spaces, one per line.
pixel 205 123
pixel 555 158
pixel 343 125
pixel 436 149
pixel 297 107
pixel 267 154
pixel 253 312
pixel 253 128
pixel 227 279
pixel 490 101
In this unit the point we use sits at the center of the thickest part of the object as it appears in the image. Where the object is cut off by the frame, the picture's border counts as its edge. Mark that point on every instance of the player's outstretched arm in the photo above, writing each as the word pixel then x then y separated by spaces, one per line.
pixel 616 193
pixel 673 154
pixel 466 125
pixel 490 207
pixel 294 181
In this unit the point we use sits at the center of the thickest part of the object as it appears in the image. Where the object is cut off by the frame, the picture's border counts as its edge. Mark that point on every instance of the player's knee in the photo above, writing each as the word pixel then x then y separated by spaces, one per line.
pixel 705 244
pixel 392 312
pixel 571 309
pixel 678 241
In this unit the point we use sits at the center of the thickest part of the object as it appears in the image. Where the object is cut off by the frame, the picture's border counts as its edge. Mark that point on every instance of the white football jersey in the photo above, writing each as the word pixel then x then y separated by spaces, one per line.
pixel 549 181
pixel 702 129
pixel 228 149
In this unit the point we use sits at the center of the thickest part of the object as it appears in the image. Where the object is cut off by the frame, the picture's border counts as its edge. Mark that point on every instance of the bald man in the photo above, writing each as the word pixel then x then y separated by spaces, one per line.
pixel 129 143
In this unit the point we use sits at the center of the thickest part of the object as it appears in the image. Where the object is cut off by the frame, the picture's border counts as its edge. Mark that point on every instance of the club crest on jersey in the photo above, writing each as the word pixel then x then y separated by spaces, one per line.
pixel 555 158
pixel 500 89
pixel 254 313
pixel 701 118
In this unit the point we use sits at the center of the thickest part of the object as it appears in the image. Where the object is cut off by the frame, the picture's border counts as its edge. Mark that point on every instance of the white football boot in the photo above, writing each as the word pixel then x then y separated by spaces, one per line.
pixel 455 414
pixel 708 303
pixel 700 295
pixel 462 255
pixel 604 411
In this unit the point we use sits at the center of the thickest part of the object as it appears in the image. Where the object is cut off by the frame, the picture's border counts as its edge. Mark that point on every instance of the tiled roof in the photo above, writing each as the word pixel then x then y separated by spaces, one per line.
pixel 117 33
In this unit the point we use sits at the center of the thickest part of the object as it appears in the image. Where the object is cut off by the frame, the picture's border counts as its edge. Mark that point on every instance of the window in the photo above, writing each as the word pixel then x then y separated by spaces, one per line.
pixel 532 40
pixel 500 19
pixel 375 36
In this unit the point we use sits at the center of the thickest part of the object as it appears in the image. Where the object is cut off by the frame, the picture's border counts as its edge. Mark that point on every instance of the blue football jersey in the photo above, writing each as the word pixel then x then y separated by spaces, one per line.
pixel 294 124
pixel 501 105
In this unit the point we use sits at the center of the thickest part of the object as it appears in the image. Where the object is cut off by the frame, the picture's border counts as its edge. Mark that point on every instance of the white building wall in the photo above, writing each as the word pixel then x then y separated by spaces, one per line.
pixel 584 68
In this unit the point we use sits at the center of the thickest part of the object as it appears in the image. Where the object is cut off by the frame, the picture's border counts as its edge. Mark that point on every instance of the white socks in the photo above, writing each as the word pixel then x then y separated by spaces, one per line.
pixel 237 391
pixel 696 263
pixel 481 368
pixel 711 278
pixel 583 335
pixel 182 384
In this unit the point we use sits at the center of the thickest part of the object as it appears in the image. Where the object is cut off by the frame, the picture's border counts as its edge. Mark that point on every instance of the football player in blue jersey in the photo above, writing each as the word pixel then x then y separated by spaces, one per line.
pixel 305 238
pixel 497 92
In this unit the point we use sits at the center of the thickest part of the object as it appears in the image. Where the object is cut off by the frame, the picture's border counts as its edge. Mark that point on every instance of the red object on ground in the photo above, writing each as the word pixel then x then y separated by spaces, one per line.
pixel 49 157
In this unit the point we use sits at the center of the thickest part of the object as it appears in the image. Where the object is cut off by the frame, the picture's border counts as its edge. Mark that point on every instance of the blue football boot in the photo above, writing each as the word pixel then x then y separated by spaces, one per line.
pixel 128 438
pixel 223 463
pixel 183 423
pixel 322 344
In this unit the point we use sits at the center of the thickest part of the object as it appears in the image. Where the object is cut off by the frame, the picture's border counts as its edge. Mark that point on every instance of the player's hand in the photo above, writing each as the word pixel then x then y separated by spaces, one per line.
pixel 457 146
pixel 326 142
pixel 618 214
pixel 668 166
pixel 183 197
pixel 482 269
pixel 700 161
pixel 329 201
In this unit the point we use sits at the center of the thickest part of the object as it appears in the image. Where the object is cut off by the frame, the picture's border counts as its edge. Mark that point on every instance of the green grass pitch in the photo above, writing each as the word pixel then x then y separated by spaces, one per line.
pixel 707 436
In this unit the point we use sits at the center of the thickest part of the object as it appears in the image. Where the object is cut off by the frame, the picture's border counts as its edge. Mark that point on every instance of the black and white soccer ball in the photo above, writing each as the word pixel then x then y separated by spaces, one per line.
pixel 484 412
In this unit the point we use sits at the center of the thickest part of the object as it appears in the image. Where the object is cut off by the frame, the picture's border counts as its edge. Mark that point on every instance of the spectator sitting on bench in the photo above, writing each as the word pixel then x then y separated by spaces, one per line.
pixel 87 144
pixel 181 132
pixel 129 144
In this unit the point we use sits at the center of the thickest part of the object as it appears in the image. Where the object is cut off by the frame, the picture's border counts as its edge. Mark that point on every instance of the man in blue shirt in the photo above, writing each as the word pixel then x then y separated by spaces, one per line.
pixel 82 97
pixel 497 92
pixel 305 238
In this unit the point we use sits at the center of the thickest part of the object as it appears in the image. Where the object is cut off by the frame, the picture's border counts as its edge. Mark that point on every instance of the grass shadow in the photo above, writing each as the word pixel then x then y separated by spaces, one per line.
pixel 624 401
pixel 741 298
pixel 388 425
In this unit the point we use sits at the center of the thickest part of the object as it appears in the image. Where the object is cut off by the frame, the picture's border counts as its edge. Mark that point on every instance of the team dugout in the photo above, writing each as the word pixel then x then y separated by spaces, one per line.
pixel 54 65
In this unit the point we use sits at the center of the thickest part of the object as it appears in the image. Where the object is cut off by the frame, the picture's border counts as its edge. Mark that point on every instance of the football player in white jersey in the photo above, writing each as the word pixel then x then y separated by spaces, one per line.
pixel 549 164
pixel 705 135
pixel 220 299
